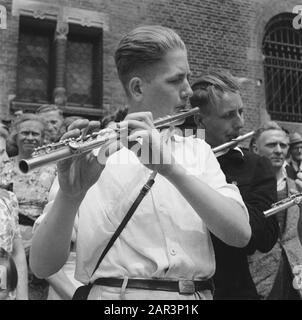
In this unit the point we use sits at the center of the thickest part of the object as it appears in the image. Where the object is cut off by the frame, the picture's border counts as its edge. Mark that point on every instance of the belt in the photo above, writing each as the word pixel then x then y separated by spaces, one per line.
pixel 181 286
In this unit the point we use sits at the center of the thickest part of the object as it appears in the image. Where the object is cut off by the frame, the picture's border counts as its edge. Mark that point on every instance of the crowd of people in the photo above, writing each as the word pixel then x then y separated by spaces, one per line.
pixel 198 232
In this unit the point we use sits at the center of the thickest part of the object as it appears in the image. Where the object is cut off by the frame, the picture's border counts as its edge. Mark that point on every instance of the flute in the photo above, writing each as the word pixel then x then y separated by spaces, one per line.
pixel 220 150
pixel 72 147
pixel 286 203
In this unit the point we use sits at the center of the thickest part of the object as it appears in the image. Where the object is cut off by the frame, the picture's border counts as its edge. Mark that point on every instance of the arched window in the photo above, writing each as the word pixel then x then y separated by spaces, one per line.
pixel 282 49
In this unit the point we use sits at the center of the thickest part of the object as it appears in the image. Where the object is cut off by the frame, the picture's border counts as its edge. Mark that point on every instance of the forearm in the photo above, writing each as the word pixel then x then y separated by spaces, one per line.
pixel 21 265
pixel 51 241
pixel 223 216
pixel 62 285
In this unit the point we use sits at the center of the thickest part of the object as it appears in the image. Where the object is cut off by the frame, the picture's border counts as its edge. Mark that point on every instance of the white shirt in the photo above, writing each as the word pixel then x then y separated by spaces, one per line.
pixel 165 237
pixel 281 181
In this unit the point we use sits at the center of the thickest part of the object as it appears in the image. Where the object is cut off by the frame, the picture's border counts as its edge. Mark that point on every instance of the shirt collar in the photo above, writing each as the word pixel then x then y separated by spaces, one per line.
pixel 236 149
pixel 281 182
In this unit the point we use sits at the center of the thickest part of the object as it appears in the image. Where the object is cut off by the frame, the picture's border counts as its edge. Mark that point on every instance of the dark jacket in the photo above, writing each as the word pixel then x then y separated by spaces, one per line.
pixel 256 181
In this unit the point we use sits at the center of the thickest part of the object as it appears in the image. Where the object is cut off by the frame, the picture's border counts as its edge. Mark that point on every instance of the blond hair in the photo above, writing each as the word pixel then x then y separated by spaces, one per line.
pixel 142 48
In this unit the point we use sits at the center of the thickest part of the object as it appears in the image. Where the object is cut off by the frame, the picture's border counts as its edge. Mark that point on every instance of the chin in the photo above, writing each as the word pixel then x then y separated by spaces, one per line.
pixel 277 165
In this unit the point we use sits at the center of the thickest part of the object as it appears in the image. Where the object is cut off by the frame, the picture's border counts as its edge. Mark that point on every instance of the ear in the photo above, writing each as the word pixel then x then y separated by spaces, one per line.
pixel 135 88
pixel 254 148
pixel 199 120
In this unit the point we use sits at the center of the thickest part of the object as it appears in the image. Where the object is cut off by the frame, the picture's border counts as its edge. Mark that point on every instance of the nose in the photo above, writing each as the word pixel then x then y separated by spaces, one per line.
pixel 187 91
pixel 30 136
pixel 278 148
pixel 239 121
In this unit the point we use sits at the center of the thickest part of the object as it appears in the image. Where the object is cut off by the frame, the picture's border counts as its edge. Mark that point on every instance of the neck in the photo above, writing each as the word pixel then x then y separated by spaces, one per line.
pixel 212 142
pixel 278 173
pixel 208 140
pixel 23 156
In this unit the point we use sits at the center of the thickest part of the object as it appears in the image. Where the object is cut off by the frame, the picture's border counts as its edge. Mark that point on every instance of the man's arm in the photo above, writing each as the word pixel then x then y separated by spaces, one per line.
pixel 62 285
pixel 51 241
pixel 226 217
pixel 260 196
pixel 21 265
pixel 223 216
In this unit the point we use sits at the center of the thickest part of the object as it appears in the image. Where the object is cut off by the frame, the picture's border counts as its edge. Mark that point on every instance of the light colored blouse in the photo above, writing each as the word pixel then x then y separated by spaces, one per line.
pixel 31 188
pixel 9 227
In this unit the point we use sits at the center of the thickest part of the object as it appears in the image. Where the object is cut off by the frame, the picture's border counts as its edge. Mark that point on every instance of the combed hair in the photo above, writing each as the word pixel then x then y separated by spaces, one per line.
pixel 143 47
pixel 270 125
pixel 208 89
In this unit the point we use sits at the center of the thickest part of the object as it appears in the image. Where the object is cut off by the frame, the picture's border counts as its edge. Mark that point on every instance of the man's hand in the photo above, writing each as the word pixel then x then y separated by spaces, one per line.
pixel 77 174
pixel 147 143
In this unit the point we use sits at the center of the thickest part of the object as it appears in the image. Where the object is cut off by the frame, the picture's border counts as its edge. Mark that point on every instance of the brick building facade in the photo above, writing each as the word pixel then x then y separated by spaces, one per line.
pixel 219 33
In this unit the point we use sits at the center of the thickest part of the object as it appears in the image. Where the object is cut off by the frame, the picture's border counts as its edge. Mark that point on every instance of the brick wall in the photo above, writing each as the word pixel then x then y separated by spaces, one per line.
pixel 8 60
pixel 218 33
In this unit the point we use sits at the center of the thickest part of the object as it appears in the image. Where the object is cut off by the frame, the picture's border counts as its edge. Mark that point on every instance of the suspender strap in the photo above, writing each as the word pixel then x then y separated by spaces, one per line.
pixel 127 217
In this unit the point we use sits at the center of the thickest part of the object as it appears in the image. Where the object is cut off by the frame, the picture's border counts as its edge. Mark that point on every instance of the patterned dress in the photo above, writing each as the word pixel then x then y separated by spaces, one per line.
pixel 31 190
pixel 9 227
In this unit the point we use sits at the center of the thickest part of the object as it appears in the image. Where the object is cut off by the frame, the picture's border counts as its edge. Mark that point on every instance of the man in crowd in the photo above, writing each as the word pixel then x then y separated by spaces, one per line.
pixel 295 152
pixel 165 251
pixel 273 272
pixel 217 94
pixel 53 116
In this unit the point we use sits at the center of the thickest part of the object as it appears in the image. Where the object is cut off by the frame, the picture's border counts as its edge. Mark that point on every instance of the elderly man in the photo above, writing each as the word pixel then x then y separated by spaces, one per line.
pixel 274 272
pixel 53 115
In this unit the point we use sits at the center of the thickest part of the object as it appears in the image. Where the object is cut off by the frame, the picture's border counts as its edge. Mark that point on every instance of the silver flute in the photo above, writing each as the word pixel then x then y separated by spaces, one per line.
pixel 220 150
pixel 73 147
pixel 286 203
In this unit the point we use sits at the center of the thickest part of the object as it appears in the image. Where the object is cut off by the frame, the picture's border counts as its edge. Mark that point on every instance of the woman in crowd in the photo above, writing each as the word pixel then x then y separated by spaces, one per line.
pixel 32 188
pixel 12 256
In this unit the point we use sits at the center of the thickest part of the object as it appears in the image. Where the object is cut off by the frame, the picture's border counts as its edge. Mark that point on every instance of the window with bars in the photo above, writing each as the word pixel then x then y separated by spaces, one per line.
pixel 282 49
pixel 83 66
pixel 37 60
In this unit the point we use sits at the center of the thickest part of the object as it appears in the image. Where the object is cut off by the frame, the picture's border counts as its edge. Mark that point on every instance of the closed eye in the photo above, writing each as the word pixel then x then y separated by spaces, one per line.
pixel 229 115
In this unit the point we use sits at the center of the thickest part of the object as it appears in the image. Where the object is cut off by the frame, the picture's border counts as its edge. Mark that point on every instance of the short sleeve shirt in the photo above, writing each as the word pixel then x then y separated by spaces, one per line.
pixel 165 238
